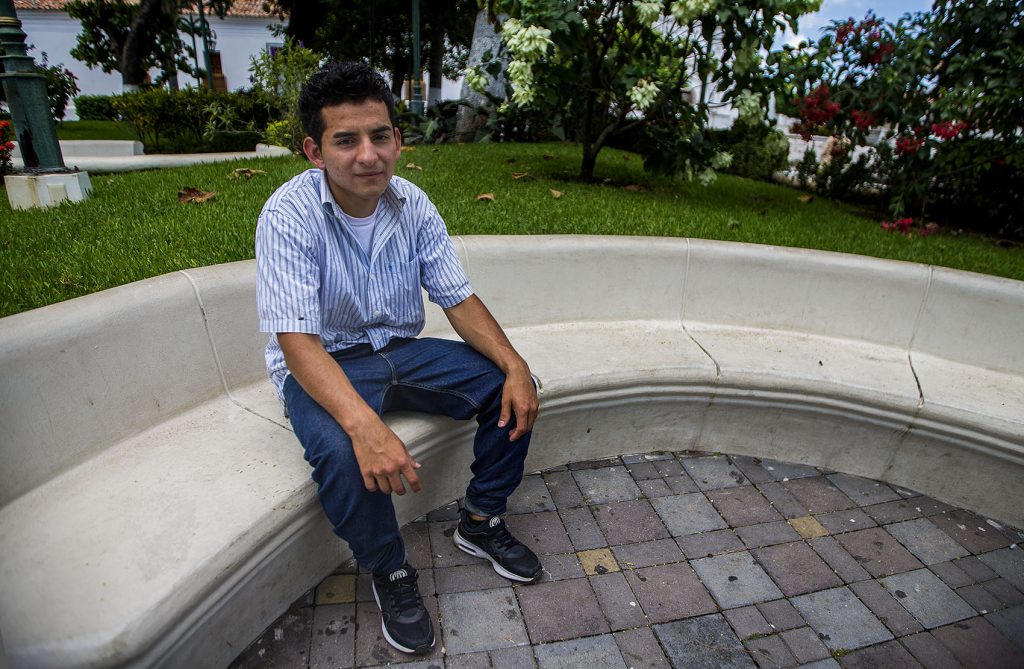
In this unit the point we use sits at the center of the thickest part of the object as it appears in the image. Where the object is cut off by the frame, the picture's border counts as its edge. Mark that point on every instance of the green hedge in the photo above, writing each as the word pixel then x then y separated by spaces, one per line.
pixel 95 108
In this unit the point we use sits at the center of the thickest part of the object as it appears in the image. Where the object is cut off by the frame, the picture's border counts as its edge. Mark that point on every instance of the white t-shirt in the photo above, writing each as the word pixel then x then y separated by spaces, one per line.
pixel 362 228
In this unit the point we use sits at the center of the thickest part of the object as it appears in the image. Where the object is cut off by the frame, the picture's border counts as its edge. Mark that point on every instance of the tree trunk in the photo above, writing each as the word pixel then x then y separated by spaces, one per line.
pixel 485 38
pixel 133 71
pixel 435 65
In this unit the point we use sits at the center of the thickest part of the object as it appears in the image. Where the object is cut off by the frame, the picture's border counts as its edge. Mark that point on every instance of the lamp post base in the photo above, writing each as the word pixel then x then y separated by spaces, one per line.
pixel 26 191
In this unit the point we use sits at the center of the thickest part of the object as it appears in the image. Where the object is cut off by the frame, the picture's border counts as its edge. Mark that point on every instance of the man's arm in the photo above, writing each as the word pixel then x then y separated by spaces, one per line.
pixel 383 458
pixel 477 327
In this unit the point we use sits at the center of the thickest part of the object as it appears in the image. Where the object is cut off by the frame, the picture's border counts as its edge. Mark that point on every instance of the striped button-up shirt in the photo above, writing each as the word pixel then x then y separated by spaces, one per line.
pixel 313 277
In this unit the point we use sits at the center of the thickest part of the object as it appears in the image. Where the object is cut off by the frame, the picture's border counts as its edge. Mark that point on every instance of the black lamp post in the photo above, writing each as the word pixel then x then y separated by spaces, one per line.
pixel 417 91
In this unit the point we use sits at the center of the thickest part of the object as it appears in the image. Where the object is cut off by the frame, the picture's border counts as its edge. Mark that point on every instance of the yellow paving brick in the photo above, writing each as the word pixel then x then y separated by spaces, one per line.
pixel 598 561
pixel 337 589
pixel 808 527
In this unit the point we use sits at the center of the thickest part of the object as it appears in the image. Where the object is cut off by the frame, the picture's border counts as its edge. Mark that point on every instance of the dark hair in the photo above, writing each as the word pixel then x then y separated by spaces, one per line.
pixel 337 83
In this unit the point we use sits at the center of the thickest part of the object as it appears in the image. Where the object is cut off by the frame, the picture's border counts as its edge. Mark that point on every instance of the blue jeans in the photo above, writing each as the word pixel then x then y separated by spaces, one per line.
pixel 428 375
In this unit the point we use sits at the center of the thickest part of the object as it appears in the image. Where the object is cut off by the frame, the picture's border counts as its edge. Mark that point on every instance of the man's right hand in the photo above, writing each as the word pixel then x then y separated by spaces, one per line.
pixel 383 459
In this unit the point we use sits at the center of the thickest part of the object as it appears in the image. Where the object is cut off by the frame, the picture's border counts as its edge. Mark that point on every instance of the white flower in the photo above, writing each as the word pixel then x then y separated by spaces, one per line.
pixel 510 28
pixel 522 95
pixel 530 43
pixel 685 11
pixel 476 80
pixel 707 177
pixel 643 94
pixel 647 11
pixel 520 72
pixel 749 105
pixel 721 160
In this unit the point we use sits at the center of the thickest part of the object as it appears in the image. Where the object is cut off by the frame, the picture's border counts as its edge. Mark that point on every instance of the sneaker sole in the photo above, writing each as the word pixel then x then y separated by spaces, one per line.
pixel 419 650
pixel 474 550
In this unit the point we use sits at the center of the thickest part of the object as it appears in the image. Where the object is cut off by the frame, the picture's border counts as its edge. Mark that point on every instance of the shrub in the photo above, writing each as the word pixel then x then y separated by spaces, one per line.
pixel 6 147
pixel 61 86
pixel 95 108
pixel 280 77
pixel 757 150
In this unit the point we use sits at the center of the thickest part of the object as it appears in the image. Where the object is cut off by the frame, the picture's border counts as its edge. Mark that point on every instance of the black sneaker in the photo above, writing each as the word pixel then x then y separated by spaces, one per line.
pixel 403 618
pixel 490 539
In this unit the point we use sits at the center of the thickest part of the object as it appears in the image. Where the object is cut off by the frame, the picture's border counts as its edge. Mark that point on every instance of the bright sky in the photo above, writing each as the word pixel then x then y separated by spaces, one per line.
pixel 811 24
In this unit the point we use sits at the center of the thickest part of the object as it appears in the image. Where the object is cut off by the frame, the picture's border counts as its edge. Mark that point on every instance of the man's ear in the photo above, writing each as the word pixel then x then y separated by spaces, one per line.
pixel 312 151
pixel 398 141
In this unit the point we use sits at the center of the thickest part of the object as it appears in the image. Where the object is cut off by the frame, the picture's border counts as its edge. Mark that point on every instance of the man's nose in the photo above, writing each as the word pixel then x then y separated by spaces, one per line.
pixel 365 153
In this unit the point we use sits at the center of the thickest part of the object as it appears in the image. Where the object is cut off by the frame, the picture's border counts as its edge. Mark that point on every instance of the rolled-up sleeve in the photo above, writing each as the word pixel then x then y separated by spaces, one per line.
pixel 287 275
pixel 441 273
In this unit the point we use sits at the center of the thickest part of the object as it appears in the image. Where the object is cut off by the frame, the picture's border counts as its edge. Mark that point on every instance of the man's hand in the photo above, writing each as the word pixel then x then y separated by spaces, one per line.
pixel 383 459
pixel 519 398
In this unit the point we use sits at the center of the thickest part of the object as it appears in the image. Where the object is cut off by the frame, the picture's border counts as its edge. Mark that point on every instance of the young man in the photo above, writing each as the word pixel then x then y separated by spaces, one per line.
pixel 342 251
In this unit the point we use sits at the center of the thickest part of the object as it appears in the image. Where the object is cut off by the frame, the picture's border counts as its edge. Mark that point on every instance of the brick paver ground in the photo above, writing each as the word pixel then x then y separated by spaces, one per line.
pixel 680 560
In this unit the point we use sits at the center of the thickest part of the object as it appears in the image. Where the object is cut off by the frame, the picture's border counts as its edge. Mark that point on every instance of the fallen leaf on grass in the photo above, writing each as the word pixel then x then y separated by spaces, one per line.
pixel 548 156
pixel 806 198
pixel 485 197
pixel 244 173
pixel 637 188
pixel 509 161
pixel 190 194
pixel 555 193
pixel 408 148
pixel 520 175
pixel 413 166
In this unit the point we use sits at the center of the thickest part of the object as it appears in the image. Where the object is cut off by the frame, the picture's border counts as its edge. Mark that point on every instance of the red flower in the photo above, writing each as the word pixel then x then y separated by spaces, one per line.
pixel 9 146
pixel 862 119
pixel 907 145
pixel 948 129
pixel 901 225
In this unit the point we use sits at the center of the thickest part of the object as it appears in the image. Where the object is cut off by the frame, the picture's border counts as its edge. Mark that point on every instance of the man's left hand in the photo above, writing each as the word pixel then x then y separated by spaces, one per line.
pixel 519 398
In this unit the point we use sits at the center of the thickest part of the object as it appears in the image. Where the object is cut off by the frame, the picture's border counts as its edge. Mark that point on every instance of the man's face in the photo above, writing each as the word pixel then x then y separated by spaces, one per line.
pixel 358 152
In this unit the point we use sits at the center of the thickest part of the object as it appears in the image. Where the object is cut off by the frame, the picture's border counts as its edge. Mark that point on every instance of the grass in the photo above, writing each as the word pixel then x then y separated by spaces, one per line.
pixel 94 130
pixel 134 226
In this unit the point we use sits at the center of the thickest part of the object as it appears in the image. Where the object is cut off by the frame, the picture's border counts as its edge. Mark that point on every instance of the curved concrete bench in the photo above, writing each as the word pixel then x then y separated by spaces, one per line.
pixel 156 509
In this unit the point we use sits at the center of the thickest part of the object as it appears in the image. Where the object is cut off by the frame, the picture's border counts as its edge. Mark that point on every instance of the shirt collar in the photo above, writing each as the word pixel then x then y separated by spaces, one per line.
pixel 394 197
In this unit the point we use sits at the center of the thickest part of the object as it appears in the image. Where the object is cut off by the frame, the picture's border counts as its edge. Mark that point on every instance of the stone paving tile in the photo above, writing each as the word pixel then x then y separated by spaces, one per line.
pixel 847 520
pixel 744 505
pixel 481 660
pixel 926 541
pixel 980 599
pixel 372 649
pixel 654 488
pixel 542 532
pixel 878 552
pixel 515 657
pixel 971 531
pixel 531 496
pixel 767 534
pixel 951 574
pixel 561 610
pixel 669 592
pixel 480 620
pixel 893 512
pixel 781 615
pixel 584 532
pixel 479 576
pixel 771 653
pixel 594 464
pixel 608 484
pixel 1010 622
pixel 617 601
pixel 669 468
pixel 927 650
pixel 561 566
pixel 640 649
pixel 747 622
pixel 927 598
pixel 787 470
pixel 808 527
pixel 707 544
pixel 598 652
pixel 796 568
pixel 780 498
pixel 1004 592
pixel 285 643
pixel 976 643
pixel 805 644
pixel 1008 563
pixel 752 468
pixel 333 643
pixel 598 561
pixel 827 663
pixel 888 654
pixel 564 492
pixel 977 570
pixel 884 605
pixel 449 511
pixel 417 545
pixel 688 514
pixel 702 642
pixel 648 553
pixel 629 522
pixel 735 580
pixel 336 589
pixel 841 562
pixel 443 549
pixel 840 619
pixel 863 491
pixel 711 473
pixel 642 471
pixel 818 495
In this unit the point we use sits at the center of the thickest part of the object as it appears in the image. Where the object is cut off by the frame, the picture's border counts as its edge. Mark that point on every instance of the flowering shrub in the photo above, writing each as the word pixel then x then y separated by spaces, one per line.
pixel 6 147
pixel 905 226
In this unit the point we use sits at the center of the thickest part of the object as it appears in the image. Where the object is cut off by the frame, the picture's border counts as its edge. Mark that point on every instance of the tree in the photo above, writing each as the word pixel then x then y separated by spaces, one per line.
pixel 599 68
pixel 134 37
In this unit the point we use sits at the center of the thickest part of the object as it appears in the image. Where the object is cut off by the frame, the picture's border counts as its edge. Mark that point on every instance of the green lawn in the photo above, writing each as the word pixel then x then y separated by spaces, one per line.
pixel 135 228
pixel 94 130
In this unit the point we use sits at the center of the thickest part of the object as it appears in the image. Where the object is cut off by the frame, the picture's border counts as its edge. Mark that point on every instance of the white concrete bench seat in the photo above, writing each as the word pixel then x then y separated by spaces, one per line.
pixel 155 509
